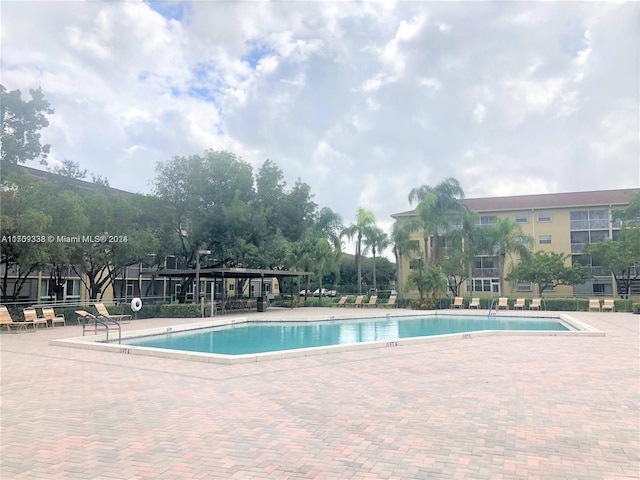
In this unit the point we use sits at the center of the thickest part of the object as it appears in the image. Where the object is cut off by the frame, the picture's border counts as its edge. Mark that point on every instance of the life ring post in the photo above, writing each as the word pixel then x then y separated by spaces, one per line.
pixel 136 305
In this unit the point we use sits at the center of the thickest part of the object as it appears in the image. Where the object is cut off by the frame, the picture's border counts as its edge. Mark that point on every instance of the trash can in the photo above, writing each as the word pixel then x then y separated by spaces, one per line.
pixel 262 304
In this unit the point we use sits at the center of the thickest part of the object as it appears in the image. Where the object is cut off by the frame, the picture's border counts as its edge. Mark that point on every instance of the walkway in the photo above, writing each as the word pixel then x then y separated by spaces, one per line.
pixel 481 408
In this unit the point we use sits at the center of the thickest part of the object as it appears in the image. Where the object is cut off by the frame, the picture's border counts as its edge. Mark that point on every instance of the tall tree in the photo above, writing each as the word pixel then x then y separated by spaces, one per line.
pixel 403 246
pixel 465 243
pixel 365 220
pixel 377 241
pixel 196 192
pixel 22 121
pixel 434 212
pixel 507 239
pixel 24 231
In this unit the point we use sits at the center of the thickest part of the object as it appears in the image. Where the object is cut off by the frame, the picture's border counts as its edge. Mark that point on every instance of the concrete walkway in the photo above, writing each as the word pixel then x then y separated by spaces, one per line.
pixel 480 408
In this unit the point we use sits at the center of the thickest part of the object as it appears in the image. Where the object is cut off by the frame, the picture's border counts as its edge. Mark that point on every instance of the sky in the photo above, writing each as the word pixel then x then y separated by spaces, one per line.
pixel 363 101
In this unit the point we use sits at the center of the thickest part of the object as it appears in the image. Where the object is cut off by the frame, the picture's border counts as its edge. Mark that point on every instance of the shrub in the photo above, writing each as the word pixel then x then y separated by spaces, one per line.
pixel 635 307
pixel 182 310
pixel 429 304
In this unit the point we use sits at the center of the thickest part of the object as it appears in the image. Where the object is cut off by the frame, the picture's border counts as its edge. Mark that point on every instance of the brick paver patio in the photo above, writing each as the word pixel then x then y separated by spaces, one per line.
pixel 480 408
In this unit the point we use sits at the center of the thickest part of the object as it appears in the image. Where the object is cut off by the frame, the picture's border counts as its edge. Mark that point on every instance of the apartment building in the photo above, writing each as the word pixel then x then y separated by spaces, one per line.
pixel 560 222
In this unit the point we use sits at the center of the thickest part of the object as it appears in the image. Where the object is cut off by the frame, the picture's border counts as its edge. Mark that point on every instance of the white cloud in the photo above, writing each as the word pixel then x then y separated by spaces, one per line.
pixel 363 101
pixel 479 111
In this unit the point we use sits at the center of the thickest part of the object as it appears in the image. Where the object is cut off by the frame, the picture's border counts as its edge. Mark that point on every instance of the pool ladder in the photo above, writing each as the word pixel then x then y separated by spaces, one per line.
pixel 104 321
pixel 492 310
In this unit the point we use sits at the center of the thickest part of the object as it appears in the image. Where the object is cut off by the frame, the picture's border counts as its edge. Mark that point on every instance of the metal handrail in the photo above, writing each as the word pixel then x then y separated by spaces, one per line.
pixel 102 320
pixel 495 313
pixel 95 321
pixel 115 322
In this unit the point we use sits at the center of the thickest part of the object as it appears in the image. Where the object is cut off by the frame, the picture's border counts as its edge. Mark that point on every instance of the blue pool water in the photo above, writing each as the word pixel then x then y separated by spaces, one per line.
pixel 270 337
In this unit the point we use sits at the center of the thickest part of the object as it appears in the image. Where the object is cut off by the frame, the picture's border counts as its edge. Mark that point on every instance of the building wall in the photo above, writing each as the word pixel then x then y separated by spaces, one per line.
pixel 551 230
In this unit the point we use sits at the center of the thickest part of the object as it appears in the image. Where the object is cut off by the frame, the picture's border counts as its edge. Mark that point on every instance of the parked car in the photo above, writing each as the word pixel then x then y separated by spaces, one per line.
pixel 306 293
pixel 325 293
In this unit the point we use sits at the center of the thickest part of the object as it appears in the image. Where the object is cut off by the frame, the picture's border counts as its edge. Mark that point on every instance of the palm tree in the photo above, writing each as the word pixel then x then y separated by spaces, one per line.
pixel 377 240
pixel 302 257
pixel 437 205
pixel 365 220
pixel 435 283
pixel 329 224
pixel 403 245
pixel 466 242
pixel 325 261
pixel 428 281
pixel 506 238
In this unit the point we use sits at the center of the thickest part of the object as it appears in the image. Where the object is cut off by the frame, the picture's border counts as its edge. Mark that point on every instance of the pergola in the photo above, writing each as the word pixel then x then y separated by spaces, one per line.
pixel 226 273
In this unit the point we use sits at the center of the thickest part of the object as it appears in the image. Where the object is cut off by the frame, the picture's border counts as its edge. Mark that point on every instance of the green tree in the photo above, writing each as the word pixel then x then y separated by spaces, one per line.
pixel 621 257
pixel 429 281
pixel 506 238
pixel 376 241
pixel 403 246
pixel 24 230
pixel 69 169
pixel 325 260
pixel 464 245
pixel 204 197
pixel 22 121
pixel 436 208
pixel 365 221
pixel 630 215
pixel 548 270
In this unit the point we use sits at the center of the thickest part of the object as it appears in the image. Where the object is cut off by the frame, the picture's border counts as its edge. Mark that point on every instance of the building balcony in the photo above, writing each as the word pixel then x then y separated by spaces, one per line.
pixel 485 272
pixel 600 272
pixel 595 224
pixel 578 247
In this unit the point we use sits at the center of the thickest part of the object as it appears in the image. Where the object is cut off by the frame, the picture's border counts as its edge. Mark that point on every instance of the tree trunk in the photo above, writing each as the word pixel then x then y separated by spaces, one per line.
pixel 359 263
pixel 375 287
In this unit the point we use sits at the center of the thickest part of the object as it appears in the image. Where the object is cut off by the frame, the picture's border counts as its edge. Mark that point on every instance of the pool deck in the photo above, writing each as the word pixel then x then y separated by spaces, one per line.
pixel 494 407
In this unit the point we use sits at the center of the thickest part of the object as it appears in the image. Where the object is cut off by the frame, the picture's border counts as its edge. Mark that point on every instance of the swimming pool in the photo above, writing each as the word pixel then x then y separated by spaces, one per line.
pixel 252 338
pixel 335 333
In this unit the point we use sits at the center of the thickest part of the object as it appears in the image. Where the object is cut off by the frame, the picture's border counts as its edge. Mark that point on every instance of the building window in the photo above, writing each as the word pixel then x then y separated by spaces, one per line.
pixel 544 239
pixel 73 289
pixel 544 217
pixel 524 286
pixel 485 285
pixel 522 218
pixel 598 288
pixel 44 289
pixel 598 236
pixel 589 220
pixel 487 220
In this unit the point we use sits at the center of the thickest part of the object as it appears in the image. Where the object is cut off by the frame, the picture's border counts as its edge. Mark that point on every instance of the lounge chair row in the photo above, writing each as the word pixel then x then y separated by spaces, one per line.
pixel 520 304
pixel 49 318
pixel 102 310
pixel 373 301
pixel 607 305
pixel 31 318
pixel 503 304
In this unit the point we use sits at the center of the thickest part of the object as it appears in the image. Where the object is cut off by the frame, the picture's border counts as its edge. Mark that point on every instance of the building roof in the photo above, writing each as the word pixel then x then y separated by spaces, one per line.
pixel 83 184
pixel 598 198
pixel 231 273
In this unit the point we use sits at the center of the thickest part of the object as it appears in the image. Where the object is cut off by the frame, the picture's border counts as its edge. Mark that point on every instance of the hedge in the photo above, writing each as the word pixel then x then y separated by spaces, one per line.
pixel 569 304
pixel 183 310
